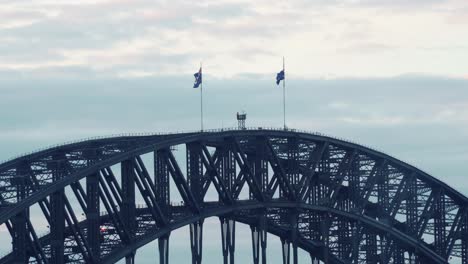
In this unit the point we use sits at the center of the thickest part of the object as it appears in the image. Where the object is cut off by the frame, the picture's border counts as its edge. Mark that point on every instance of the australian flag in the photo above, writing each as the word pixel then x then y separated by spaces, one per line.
pixel 198 78
pixel 279 77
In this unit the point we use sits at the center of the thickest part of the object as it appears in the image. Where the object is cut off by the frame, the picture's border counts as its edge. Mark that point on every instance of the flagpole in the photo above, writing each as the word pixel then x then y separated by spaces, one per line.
pixel 284 97
pixel 201 98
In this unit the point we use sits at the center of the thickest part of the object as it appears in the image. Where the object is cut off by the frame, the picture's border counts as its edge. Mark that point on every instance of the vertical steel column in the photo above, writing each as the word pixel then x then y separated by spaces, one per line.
pixel 371 247
pixel 196 241
pixel 20 229
pixel 354 183
pixel 227 169
pixel 92 214
pixel 412 258
pixel 324 230
pixel 382 189
pixel 315 218
pixel 228 230
pixel 412 211
pixel 320 222
pixel 293 163
pixel 285 249
pixel 439 223
pixel 314 259
pixel 57 215
pixel 163 198
pixel 130 259
pixel 19 238
pixel 260 169
pixel 255 243
pixel 324 172
pixel 384 203
pixel 343 242
pixel 224 239
pixel 261 163
pixel 128 195
pixel 161 180
pixel 355 242
pixel 399 255
pixel 291 166
pixel 412 205
pixel 261 172
pixel 163 245
pixel 293 222
pixel 128 210
pixel 195 181
pixel 464 238
pixel 195 170
pixel 263 238
pixel 232 239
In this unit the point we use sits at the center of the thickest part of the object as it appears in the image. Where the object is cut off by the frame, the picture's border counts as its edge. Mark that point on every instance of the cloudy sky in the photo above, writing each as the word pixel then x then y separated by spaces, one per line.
pixel 320 39
pixel 389 74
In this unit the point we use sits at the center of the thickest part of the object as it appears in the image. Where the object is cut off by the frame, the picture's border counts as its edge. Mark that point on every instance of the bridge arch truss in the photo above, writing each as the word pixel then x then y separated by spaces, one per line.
pixel 339 201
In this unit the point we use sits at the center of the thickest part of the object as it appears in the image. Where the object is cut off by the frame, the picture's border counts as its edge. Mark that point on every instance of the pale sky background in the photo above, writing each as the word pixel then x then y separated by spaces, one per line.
pixel 389 74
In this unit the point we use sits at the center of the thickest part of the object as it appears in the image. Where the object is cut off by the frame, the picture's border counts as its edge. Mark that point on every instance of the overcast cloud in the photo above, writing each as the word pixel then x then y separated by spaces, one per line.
pixel 319 38
pixel 389 74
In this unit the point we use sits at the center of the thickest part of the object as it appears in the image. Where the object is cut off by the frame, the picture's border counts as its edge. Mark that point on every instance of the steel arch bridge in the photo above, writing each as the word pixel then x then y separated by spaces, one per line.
pixel 339 201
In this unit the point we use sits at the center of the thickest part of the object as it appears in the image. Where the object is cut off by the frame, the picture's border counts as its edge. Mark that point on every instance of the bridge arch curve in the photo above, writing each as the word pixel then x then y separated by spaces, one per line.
pixel 399 203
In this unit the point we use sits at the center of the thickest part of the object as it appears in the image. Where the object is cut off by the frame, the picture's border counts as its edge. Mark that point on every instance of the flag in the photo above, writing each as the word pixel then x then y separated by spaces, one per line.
pixel 279 77
pixel 198 78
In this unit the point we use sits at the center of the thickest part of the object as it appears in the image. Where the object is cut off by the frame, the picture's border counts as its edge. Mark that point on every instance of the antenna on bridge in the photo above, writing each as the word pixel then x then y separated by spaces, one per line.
pixel 241 119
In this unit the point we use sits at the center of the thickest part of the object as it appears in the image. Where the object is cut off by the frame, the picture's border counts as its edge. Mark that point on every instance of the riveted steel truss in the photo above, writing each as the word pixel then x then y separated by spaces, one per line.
pixel 341 202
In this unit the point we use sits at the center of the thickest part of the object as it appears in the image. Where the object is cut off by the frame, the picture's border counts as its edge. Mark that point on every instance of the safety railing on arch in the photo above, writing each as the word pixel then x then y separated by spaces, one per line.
pixel 216 130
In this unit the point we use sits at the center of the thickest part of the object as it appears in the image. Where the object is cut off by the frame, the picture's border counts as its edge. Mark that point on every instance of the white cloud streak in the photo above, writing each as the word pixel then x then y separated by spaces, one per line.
pixel 319 38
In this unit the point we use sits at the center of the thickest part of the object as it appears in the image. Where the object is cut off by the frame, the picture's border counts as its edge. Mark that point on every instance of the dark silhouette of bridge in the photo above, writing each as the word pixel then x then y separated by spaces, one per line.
pixel 339 201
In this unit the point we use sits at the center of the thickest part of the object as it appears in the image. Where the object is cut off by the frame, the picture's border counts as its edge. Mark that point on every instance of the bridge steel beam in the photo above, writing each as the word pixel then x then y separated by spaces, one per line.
pixel 195 170
pixel 128 210
pixel 369 224
pixel 330 192
pixel 464 237
pixel 226 167
pixel 195 179
pixel 196 241
pixel 130 258
pixel 57 214
pixel 285 250
pixel 19 221
pixel 163 246
pixel 228 239
pixel 111 203
pixel 258 161
pixel 146 188
pixel 162 181
pixel 294 235
pixel 181 183
pixel 92 214
pixel 440 223
pixel 259 242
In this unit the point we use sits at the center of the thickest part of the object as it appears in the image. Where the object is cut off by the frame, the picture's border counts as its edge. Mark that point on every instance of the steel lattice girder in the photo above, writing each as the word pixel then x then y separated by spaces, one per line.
pixel 389 207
